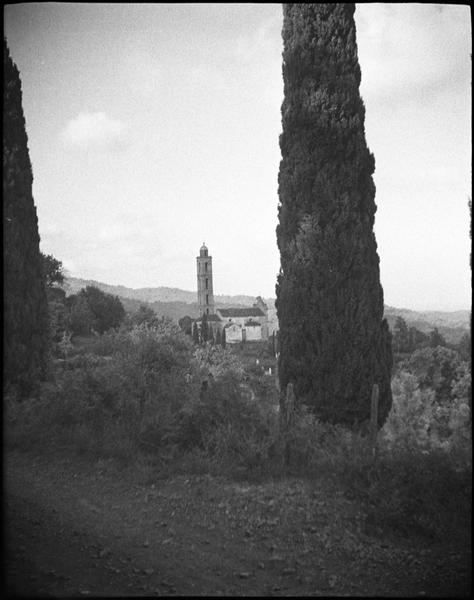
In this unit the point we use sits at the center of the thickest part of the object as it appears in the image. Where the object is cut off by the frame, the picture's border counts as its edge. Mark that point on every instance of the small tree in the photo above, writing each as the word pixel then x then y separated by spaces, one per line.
pixel 186 324
pixel 144 314
pixel 81 317
pixel 196 336
pixel 108 311
pixel 436 339
pixel 65 346
pixel 417 339
pixel 204 329
pixel 218 338
pixel 435 368
pixel 52 270
pixel 464 347
pixel 400 340
pixel 211 335
pixel 223 339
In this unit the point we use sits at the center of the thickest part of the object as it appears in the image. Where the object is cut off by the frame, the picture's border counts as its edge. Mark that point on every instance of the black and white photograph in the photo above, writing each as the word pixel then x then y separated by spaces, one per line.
pixel 237 274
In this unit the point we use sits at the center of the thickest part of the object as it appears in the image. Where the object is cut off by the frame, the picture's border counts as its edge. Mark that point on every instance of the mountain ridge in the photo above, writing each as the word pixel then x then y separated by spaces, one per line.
pixel 156 294
pixel 176 303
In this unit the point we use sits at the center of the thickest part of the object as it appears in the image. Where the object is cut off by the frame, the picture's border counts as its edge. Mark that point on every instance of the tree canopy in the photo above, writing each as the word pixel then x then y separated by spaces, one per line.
pixel 26 327
pixel 52 270
pixel 92 308
pixel 334 341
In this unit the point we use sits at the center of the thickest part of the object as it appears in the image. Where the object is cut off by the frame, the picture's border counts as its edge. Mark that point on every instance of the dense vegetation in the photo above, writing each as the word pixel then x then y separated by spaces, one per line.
pixel 26 343
pixel 148 392
pixel 89 311
pixel 334 342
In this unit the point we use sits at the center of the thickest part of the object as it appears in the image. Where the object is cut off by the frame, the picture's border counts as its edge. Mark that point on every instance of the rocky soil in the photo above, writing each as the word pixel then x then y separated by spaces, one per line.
pixel 79 529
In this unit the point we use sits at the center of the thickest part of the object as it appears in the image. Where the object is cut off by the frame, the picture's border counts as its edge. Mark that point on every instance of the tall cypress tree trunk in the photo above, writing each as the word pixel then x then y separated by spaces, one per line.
pixel 26 342
pixel 334 341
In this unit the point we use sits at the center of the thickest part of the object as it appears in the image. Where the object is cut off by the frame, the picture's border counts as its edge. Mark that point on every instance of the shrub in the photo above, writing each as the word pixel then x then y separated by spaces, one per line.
pixel 226 404
pixel 136 394
pixel 419 420
pixel 225 421
pixel 318 448
pixel 412 485
pixel 436 369
pixel 417 492
pixel 412 413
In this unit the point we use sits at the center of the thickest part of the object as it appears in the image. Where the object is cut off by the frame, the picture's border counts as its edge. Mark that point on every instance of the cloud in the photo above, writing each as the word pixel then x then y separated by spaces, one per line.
pixel 96 131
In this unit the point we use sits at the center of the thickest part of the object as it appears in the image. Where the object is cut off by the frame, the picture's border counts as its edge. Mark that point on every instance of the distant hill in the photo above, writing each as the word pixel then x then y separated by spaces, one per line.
pixel 158 294
pixel 175 304
pixel 457 318
pixel 169 302
pixel 451 325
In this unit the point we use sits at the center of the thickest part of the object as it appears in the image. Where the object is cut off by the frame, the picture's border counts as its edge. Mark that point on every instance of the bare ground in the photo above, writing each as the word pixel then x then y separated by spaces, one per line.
pixel 79 529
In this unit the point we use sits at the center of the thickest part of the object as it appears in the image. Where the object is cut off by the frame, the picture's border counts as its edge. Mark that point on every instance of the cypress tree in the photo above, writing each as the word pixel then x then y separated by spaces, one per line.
pixel 210 336
pixel 26 343
pixel 334 341
pixel 204 329
pixel 196 337
pixel 223 340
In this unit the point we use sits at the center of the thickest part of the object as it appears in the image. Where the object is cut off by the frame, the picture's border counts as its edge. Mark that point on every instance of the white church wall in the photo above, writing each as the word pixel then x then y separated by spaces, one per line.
pixel 233 334
pixel 253 333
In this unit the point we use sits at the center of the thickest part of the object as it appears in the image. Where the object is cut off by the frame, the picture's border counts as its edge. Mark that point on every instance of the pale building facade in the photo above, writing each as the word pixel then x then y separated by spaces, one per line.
pixel 240 324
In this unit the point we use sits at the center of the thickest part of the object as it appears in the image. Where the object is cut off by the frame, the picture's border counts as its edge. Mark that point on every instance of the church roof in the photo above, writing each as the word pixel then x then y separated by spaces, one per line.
pixel 251 323
pixel 241 312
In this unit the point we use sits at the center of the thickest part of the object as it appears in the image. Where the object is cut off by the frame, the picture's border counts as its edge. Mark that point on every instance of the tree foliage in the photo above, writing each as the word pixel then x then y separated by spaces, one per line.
pixel 108 311
pixel 223 339
pixel 334 341
pixel 144 315
pixel 59 316
pixel 437 369
pixel 92 308
pixel 407 339
pixel 204 329
pixel 196 337
pixel 186 324
pixel 464 347
pixel 52 270
pixel 436 339
pixel 26 330
pixel 81 316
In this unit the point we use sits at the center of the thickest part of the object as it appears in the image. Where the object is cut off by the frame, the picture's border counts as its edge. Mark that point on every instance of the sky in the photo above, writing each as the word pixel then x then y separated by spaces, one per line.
pixel 153 128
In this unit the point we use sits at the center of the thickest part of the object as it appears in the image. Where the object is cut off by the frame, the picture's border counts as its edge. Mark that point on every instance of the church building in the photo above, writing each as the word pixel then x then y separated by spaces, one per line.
pixel 240 324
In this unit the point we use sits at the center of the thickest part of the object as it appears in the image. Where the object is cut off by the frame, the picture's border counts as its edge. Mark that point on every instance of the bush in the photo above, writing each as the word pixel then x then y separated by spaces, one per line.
pixel 413 485
pixel 418 420
pixel 412 413
pixel 128 401
pixel 225 421
pixel 417 492
pixel 318 448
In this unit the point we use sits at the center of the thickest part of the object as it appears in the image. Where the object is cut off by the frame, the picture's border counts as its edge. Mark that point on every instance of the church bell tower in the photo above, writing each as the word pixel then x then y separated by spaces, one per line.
pixel 204 282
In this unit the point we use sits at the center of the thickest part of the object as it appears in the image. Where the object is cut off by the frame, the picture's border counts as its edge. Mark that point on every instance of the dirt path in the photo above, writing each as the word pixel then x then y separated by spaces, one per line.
pixel 73 529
